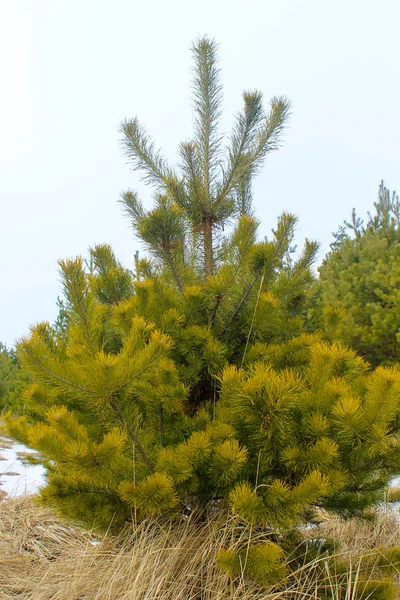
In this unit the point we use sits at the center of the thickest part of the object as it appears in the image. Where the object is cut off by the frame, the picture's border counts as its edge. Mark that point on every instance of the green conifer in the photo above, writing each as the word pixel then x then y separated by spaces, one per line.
pixel 190 382
pixel 358 298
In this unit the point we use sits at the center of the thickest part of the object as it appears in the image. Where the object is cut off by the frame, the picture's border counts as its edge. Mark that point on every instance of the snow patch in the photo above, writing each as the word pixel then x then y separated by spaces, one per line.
pixel 17 478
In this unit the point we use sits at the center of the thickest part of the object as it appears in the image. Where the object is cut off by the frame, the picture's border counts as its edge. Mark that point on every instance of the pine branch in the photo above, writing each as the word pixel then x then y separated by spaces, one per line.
pixel 139 148
pixel 254 137
pixel 42 371
pixel 269 137
pixel 132 206
pixel 244 133
pixel 308 256
pixel 240 244
pixel 77 292
pixel 207 98
pixel 241 302
pixel 244 195
pixel 163 229
pixel 103 259
pixel 192 175
pixel 132 434
pixel 97 491
pixel 174 270
pixel 284 233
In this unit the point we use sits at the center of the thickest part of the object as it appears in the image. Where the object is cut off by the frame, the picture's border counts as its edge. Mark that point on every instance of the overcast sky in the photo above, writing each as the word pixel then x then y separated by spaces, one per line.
pixel 72 70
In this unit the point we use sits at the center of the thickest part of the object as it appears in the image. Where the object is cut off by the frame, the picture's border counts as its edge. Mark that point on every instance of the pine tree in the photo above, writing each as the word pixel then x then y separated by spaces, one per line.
pixel 358 299
pixel 190 382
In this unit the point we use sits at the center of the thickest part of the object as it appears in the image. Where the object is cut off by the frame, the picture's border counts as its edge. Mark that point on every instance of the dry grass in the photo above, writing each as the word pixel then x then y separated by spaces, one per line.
pixel 5 443
pixel 43 558
pixel 360 536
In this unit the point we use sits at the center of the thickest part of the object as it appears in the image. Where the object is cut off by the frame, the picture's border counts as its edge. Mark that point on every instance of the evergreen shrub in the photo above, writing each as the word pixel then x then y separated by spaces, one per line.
pixel 190 383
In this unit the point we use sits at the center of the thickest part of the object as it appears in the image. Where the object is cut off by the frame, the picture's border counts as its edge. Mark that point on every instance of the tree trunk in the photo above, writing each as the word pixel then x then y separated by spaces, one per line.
pixel 172 266
pixel 208 247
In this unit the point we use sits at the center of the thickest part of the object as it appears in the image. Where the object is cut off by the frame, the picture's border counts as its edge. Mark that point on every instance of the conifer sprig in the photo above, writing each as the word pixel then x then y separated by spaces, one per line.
pixel 140 149
pixel 207 101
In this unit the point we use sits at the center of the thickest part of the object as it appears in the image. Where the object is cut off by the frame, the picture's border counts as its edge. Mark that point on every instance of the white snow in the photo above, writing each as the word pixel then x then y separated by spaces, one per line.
pixel 29 478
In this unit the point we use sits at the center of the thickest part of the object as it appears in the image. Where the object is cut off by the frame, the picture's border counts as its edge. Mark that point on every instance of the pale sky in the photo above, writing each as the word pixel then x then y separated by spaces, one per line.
pixel 71 70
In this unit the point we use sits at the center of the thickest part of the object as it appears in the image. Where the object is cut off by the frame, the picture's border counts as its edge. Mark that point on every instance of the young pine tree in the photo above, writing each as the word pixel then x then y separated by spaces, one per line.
pixel 190 382
pixel 358 295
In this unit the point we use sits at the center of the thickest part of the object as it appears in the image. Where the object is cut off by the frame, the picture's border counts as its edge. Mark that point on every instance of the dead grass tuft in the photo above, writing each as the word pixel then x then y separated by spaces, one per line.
pixel 44 558
pixel 360 536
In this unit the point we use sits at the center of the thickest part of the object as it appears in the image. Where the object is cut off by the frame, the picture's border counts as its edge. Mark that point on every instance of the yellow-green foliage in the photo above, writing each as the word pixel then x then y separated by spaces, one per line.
pixel 128 424
pixel 262 563
pixel 328 430
pixel 377 590
pixel 191 381
pixel 153 495
pixel 136 418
